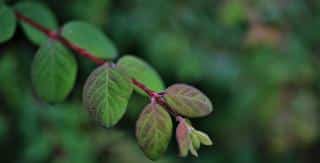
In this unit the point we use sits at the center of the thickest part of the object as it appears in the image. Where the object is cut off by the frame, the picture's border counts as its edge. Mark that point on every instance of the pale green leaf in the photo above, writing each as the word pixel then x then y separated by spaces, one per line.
pixel 204 138
pixel 54 70
pixel 195 140
pixel 141 71
pixel 39 14
pixel 89 38
pixel 7 23
pixel 154 130
pixel 106 94
pixel 193 151
pixel 188 101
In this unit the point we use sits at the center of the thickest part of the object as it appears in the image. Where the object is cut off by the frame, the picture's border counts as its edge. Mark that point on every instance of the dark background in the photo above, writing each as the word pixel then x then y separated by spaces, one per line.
pixel 257 60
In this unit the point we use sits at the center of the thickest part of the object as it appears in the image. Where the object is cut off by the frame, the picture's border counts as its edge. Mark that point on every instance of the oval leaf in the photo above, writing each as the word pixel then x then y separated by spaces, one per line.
pixel 154 130
pixel 40 14
pixel 188 101
pixel 54 70
pixel 183 139
pixel 89 38
pixel 204 138
pixel 141 71
pixel 7 23
pixel 106 94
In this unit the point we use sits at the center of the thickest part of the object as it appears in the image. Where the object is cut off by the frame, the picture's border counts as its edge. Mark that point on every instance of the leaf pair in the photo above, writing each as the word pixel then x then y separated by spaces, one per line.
pixel 154 131
pixel 154 126
pixel 54 67
pixel 106 95
pixel 82 34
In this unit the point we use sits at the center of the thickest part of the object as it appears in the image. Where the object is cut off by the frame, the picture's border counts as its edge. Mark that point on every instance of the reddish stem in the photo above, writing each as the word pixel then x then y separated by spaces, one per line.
pixel 158 97
pixel 144 88
pixel 81 51
pixel 33 24
pixel 56 36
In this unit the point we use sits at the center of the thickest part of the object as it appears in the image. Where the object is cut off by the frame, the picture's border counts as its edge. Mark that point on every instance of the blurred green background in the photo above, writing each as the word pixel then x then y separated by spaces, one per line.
pixel 257 60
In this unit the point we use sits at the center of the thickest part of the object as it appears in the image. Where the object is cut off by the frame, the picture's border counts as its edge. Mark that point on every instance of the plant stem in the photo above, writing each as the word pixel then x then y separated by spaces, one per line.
pixel 56 36
pixel 144 88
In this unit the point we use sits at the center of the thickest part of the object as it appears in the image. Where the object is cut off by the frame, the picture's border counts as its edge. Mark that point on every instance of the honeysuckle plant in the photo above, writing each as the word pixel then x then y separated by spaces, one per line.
pixel 108 88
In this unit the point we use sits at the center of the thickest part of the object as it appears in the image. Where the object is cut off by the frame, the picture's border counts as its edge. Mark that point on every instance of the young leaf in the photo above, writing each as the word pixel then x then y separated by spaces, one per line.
pixel 7 23
pixel 193 150
pixel 89 38
pixel 188 101
pixel 195 140
pixel 54 70
pixel 154 130
pixel 183 139
pixel 203 137
pixel 106 94
pixel 143 72
pixel 190 139
pixel 40 14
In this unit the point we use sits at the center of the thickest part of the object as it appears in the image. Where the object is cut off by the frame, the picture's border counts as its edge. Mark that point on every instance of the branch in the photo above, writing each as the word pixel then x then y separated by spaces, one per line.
pixel 56 36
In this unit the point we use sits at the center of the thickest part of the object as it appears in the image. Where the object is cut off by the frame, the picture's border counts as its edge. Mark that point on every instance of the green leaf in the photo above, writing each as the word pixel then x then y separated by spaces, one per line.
pixel 54 70
pixel 188 101
pixel 154 130
pixel 106 94
pixel 89 38
pixel 195 140
pixel 40 14
pixel 203 137
pixel 193 150
pixel 7 23
pixel 141 71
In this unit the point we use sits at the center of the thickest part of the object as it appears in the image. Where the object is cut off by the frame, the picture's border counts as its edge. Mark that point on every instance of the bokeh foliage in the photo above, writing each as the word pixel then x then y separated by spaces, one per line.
pixel 257 60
